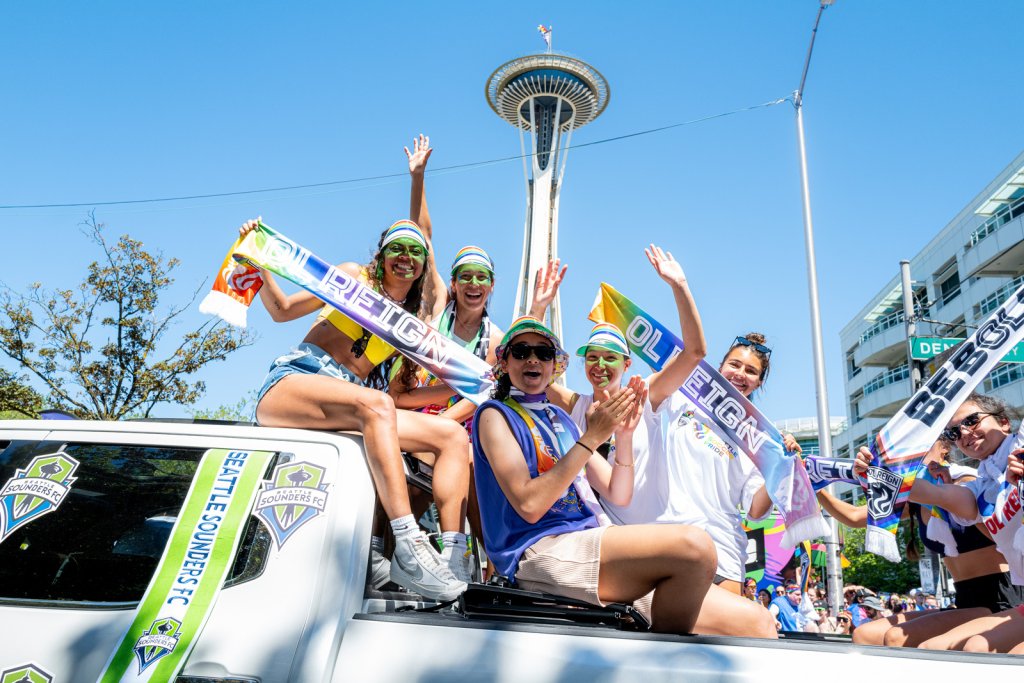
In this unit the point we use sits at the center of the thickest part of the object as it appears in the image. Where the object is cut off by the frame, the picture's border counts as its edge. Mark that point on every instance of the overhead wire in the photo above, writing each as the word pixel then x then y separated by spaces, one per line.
pixel 385 177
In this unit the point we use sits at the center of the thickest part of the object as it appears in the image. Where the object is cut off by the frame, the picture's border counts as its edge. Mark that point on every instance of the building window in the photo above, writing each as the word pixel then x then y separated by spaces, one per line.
pixel 1004 374
pixel 851 366
pixel 947 283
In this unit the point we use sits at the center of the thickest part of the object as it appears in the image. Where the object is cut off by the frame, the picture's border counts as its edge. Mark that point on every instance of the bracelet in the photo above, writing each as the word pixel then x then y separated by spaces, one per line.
pixel 585 447
pixel 619 464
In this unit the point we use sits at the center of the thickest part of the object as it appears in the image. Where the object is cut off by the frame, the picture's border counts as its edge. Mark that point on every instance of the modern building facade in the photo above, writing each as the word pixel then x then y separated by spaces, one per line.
pixel 547 97
pixel 964 273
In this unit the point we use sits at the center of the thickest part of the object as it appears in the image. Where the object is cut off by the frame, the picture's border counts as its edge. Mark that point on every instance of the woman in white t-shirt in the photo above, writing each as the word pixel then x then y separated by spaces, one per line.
pixel 606 354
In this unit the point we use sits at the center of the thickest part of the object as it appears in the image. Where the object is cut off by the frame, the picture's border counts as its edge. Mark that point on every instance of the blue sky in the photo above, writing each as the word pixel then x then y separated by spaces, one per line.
pixel 910 109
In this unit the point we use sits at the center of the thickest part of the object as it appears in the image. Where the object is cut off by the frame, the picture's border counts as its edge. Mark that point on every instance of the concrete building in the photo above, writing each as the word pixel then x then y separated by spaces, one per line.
pixel 805 431
pixel 964 273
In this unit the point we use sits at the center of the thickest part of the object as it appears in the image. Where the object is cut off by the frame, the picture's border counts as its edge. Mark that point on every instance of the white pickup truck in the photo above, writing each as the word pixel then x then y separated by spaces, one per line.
pixel 79 546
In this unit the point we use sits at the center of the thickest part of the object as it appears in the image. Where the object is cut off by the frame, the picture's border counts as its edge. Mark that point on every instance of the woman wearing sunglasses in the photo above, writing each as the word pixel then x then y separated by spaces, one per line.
pixel 692 476
pixel 981 429
pixel 979 570
pixel 529 458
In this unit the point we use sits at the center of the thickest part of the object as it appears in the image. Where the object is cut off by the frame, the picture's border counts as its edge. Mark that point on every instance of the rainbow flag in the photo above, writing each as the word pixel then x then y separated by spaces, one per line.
pixel 735 416
pixel 270 250
pixel 905 439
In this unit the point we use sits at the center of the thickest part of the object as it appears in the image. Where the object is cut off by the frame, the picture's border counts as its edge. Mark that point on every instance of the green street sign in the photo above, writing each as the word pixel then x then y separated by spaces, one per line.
pixel 925 348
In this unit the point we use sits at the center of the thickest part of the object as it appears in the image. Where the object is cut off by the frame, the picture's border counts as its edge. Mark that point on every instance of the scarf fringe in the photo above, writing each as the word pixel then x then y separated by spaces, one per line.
pixel 882 543
pixel 226 308
pixel 806 529
pixel 939 530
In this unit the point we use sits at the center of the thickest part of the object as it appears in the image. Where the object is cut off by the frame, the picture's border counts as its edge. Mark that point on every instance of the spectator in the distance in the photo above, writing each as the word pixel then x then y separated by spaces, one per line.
pixel 784 608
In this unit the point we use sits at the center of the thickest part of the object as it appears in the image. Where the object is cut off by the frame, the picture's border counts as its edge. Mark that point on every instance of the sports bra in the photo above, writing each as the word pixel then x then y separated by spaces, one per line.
pixel 967 538
pixel 376 350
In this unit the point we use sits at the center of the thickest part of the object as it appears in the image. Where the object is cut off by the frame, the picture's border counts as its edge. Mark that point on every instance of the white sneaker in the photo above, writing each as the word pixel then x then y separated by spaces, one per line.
pixel 380 569
pixel 417 567
pixel 459 561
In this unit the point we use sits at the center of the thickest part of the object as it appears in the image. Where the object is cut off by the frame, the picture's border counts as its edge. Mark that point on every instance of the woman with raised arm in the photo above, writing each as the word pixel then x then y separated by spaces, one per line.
pixel 606 355
pixel 981 429
pixel 979 570
pixel 529 458
pixel 334 381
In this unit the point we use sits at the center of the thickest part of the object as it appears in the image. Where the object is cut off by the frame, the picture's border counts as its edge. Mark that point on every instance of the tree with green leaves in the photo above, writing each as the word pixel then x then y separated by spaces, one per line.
pixel 97 348
pixel 877 573
pixel 17 399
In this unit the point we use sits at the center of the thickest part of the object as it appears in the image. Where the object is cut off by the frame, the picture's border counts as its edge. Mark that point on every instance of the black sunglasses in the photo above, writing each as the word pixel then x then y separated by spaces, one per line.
pixel 953 433
pixel 522 351
pixel 743 341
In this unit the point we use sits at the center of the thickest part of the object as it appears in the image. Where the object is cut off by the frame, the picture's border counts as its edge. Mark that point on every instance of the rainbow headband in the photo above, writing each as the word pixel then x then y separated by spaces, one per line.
pixel 406 229
pixel 525 324
pixel 605 336
pixel 472 256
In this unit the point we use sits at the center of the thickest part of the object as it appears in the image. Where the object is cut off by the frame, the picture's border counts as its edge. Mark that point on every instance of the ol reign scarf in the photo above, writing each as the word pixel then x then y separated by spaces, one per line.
pixel 784 474
pixel 188 578
pixel 897 451
pixel 268 249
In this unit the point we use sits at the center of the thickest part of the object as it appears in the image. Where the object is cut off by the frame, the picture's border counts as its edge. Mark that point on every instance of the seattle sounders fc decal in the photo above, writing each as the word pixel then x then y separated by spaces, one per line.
pixel 295 494
pixel 158 642
pixel 26 673
pixel 37 490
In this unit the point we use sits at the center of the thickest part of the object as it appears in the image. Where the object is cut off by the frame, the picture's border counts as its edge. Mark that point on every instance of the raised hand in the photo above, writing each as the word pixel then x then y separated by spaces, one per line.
pixel 546 285
pixel 421 150
pixel 249 226
pixel 606 417
pixel 667 267
pixel 628 426
pixel 940 472
pixel 863 461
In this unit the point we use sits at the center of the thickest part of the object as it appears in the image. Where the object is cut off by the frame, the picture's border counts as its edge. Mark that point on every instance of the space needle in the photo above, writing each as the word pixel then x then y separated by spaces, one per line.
pixel 546 96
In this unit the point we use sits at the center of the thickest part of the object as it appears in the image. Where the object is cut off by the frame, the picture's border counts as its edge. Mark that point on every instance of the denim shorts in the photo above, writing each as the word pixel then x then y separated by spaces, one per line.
pixel 305 359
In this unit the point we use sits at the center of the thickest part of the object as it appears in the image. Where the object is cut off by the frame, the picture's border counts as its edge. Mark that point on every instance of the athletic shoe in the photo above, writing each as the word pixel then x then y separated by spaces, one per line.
pixel 459 561
pixel 380 569
pixel 417 567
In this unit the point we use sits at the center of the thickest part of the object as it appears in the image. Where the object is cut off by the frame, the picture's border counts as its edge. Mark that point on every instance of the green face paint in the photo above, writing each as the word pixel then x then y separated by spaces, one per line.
pixel 406 247
pixel 476 276
pixel 612 362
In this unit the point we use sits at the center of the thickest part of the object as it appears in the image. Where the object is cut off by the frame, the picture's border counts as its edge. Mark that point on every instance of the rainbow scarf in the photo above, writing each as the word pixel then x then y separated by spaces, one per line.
pixel 736 417
pixel 905 439
pixel 270 250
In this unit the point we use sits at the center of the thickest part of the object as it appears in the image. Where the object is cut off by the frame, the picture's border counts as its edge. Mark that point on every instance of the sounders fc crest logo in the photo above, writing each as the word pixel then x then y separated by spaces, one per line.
pixel 158 642
pixel 295 494
pixel 35 491
pixel 27 673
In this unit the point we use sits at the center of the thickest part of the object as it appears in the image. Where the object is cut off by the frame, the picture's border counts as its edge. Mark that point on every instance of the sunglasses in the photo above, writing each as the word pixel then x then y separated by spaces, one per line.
pixel 743 341
pixel 843 620
pixel 953 433
pixel 522 351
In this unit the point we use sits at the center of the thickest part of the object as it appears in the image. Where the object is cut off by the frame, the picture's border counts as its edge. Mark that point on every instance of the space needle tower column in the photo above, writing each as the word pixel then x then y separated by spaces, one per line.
pixel 547 97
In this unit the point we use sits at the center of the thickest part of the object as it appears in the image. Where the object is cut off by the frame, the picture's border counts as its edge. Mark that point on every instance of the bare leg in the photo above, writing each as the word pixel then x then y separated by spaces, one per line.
pixel 724 613
pixel 328 403
pixel 731 586
pixel 873 632
pixel 1006 637
pixel 676 561
pixel 957 638
pixel 449 443
pixel 918 627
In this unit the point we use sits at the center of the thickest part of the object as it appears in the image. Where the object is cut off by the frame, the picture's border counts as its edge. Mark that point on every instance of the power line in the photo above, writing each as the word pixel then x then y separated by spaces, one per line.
pixel 388 176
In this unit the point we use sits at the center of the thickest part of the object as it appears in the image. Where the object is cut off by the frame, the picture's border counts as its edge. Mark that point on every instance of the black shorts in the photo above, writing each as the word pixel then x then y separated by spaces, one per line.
pixel 993 591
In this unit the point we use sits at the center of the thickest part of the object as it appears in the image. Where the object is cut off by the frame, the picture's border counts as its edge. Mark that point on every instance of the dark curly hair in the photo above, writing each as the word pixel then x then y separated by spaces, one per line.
pixel 378 377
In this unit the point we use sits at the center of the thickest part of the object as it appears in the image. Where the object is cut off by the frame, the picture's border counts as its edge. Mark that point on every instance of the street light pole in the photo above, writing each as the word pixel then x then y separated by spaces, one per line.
pixel 832 567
